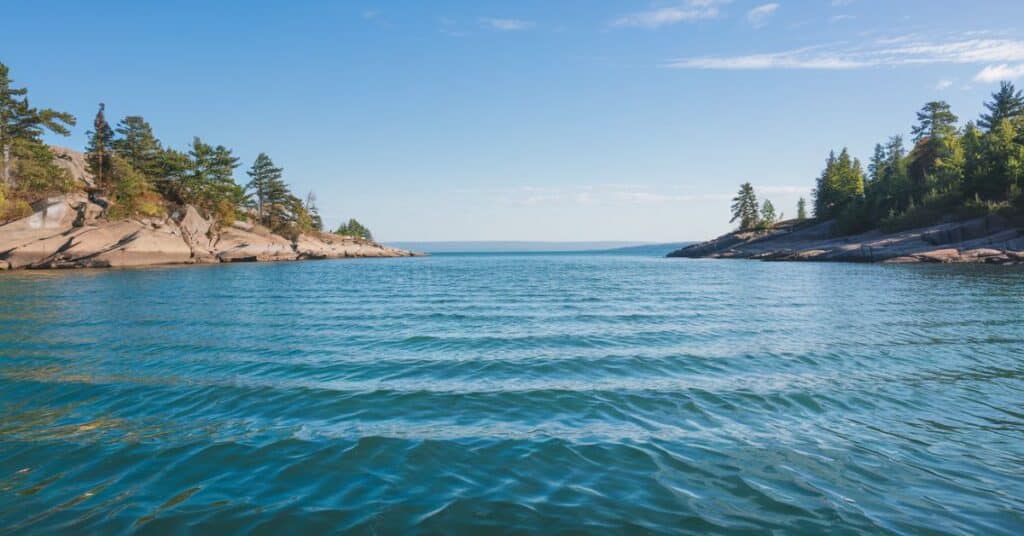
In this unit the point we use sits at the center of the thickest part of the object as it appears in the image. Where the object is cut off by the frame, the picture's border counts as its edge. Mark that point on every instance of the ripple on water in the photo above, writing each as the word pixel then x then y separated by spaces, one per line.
pixel 514 393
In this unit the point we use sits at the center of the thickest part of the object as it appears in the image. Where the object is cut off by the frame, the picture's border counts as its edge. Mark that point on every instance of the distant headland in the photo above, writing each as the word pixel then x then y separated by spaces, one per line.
pixel 957 196
pixel 130 201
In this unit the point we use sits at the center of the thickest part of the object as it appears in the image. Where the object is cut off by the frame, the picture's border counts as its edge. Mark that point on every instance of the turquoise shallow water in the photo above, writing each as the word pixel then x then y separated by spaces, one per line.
pixel 598 393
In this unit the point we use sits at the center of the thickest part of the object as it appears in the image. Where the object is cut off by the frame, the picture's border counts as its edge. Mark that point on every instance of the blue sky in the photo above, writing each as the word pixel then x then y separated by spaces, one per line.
pixel 526 120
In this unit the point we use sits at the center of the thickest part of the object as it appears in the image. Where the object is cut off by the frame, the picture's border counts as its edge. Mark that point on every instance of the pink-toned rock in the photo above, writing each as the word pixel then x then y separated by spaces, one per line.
pixel 902 260
pixel 145 248
pixel 941 255
pixel 93 241
pixel 236 245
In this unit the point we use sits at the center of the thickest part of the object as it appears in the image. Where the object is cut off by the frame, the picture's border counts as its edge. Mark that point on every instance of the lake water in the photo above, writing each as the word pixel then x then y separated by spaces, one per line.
pixel 504 393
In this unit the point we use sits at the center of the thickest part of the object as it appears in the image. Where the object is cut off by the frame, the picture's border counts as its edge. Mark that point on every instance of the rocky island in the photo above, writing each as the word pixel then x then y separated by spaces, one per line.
pixel 130 201
pixel 990 239
pixel 73 230
pixel 956 196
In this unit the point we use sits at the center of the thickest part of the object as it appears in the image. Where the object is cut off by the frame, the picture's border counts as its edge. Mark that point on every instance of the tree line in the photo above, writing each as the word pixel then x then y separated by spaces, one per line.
pixel 950 171
pixel 138 175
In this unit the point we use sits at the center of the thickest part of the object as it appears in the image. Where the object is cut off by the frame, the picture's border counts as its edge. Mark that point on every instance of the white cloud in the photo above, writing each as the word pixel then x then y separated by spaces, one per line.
pixel 943 84
pixel 758 16
pixel 907 50
pixel 506 25
pixel 841 18
pixel 995 73
pixel 689 10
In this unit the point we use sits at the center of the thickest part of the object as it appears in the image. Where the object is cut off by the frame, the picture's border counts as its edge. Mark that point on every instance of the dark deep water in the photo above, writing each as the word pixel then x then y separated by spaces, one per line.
pixel 473 393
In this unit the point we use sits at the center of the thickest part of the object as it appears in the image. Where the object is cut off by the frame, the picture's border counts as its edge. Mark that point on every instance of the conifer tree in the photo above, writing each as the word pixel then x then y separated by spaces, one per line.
pixel 265 183
pixel 744 207
pixel 316 222
pixel 1007 103
pixel 354 228
pixel 801 209
pixel 21 129
pixel 768 214
pixel 138 146
pixel 935 120
pixel 99 149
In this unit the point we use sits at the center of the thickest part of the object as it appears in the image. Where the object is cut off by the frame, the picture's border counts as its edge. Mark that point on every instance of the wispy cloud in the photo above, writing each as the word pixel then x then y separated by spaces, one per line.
pixel 689 10
pixel 841 18
pixel 505 25
pixel 995 73
pixel 758 16
pixel 943 84
pixel 905 50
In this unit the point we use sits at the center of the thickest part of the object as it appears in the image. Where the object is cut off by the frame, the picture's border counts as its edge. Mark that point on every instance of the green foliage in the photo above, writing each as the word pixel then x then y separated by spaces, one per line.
pixel 801 209
pixel 744 207
pixel 935 120
pixel 1007 104
pixel 354 228
pixel 36 172
pixel 768 216
pixel 209 182
pixel 269 192
pixel 99 151
pixel 131 192
pixel 840 183
pixel 137 145
pixel 21 130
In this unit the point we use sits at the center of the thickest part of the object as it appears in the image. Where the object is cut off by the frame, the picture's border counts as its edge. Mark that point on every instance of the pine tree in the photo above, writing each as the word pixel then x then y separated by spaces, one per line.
pixel 767 214
pixel 840 183
pixel 935 120
pixel 801 209
pixel 1007 103
pixel 210 181
pixel 99 149
pixel 316 222
pixel 744 207
pixel 138 146
pixel 21 129
pixel 265 182
pixel 354 228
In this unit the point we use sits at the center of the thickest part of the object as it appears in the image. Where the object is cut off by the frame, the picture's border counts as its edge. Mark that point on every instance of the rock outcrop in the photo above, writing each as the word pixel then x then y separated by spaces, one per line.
pixel 991 239
pixel 71 232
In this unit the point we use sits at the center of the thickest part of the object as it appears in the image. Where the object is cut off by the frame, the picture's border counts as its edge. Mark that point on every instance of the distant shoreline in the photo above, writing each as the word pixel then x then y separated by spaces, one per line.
pixel 987 240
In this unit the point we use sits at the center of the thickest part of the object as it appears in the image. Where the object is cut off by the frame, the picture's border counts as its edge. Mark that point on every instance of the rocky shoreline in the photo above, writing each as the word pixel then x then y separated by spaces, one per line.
pixel 990 240
pixel 70 231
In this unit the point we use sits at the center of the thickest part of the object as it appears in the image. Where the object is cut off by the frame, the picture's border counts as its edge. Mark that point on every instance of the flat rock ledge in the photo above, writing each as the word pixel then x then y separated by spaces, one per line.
pixel 70 232
pixel 988 240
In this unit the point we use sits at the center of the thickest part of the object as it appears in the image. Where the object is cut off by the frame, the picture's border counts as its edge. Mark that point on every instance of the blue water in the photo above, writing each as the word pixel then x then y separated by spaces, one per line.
pixel 512 393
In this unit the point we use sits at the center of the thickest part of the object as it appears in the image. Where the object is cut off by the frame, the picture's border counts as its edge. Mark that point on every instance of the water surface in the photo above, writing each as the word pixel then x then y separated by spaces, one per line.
pixel 514 393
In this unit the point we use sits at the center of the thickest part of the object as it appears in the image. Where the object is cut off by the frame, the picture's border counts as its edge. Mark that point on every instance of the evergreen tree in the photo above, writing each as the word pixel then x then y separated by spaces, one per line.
pixel 1007 103
pixel 768 214
pixel 99 149
pixel 801 209
pixel 354 228
pixel 744 207
pixel 266 184
pixel 21 129
pixel 137 145
pixel 210 182
pixel 316 222
pixel 935 120
pixel 840 183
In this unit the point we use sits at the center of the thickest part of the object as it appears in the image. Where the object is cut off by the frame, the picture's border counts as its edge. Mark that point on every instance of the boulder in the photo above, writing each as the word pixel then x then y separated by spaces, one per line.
pixel 145 248
pixel 940 255
pixel 236 245
pixel 92 242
